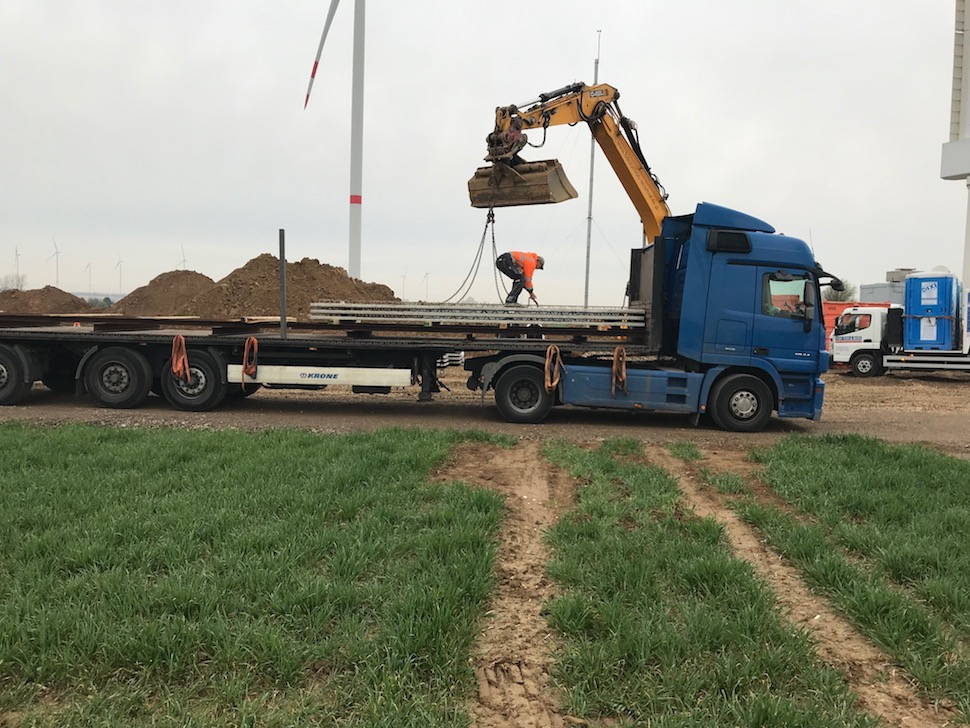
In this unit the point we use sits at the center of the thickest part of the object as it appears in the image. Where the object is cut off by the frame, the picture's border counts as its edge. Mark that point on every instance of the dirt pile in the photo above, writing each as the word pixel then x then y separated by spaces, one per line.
pixel 164 295
pixel 253 290
pixel 41 300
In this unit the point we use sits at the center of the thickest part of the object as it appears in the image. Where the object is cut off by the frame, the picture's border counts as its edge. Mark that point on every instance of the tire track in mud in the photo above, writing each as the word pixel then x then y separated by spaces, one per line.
pixel 883 688
pixel 512 657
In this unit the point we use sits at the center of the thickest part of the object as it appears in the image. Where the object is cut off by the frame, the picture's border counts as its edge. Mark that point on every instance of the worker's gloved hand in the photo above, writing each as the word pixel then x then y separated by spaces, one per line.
pixel 532 297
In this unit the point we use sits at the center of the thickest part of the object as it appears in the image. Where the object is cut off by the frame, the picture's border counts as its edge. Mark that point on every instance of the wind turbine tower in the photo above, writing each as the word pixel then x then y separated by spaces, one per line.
pixel 956 152
pixel 356 124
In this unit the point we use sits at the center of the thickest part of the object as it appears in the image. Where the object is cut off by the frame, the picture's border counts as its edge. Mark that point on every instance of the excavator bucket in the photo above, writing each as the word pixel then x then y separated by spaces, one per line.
pixel 528 183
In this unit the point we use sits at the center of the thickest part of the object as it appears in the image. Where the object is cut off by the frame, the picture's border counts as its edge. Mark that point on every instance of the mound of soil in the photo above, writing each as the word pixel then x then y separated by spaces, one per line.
pixel 41 300
pixel 253 290
pixel 164 295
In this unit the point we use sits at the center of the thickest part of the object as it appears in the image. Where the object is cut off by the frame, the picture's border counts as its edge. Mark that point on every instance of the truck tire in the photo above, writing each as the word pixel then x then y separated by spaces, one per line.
pixel 13 388
pixel 741 403
pixel 521 396
pixel 205 389
pixel 866 364
pixel 118 377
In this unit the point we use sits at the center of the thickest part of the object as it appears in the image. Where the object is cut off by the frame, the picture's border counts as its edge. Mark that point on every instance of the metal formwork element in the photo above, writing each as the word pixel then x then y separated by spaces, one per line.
pixel 479 314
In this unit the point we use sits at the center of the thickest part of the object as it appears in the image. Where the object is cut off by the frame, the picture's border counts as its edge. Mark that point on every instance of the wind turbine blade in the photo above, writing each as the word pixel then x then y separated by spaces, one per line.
pixel 323 38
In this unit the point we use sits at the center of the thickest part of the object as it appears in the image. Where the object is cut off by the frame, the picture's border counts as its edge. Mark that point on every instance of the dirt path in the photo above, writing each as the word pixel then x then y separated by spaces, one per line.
pixel 512 657
pixel 930 409
pixel 882 687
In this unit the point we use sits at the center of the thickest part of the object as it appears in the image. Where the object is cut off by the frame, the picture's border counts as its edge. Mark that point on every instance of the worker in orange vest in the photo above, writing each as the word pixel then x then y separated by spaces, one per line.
pixel 519 267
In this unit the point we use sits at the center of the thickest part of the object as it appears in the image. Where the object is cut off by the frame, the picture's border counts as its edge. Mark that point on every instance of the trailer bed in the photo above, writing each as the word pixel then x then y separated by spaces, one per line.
pixel 583 332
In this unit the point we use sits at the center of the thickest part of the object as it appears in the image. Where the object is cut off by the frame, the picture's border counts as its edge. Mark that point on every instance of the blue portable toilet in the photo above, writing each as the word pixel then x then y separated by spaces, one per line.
pixel 932 312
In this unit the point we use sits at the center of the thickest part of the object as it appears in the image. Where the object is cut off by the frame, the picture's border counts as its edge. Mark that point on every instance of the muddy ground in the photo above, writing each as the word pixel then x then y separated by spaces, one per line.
pixel 932 409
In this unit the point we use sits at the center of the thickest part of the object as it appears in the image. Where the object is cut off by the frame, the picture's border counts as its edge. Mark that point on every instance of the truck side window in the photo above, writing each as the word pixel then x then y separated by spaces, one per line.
pixel 783 295
pixel 849 322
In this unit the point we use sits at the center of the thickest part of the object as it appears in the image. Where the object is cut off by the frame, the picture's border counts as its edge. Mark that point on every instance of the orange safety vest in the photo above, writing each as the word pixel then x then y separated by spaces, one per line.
pixel 527 262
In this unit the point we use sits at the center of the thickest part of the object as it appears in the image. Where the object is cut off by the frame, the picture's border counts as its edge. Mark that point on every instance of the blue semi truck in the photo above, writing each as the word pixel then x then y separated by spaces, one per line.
pixel 733 330
pixel 723 320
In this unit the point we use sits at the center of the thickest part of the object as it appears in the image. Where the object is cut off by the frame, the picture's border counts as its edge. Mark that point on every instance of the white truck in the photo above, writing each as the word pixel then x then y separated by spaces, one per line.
pixel 870 339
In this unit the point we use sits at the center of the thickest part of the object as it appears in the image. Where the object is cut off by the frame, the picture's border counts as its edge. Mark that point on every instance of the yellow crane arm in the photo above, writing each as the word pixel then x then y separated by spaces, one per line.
pixel 615 134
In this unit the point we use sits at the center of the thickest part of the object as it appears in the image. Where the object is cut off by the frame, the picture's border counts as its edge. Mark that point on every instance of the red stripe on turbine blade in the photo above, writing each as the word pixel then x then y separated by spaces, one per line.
pixel 306 101
pixel 313 72
pixel 356 199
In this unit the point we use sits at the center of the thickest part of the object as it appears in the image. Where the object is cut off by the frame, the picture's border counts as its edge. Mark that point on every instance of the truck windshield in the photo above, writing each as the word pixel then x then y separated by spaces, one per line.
pixel 849 322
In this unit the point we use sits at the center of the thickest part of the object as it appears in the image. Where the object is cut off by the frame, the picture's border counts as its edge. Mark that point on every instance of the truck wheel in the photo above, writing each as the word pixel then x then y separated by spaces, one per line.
pixel 204 390
pixel 13 388
pixel 866 364
pixel 118 377
pixel 521 395
pixel 741 403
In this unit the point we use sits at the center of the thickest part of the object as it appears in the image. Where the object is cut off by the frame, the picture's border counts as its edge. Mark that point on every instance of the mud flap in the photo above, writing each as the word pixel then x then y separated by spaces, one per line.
pixel 529 183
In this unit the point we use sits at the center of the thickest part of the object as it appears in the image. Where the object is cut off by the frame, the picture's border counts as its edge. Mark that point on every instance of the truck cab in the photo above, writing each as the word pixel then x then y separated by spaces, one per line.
pixel 739 303
pixel 859 339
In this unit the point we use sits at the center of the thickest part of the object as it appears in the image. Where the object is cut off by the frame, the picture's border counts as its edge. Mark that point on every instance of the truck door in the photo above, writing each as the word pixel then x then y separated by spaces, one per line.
pixel 781 333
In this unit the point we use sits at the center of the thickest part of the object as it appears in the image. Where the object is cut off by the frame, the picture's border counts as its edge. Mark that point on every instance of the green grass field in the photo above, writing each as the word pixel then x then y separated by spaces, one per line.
pixel 661 626
pixel 177 578
pixel 887 538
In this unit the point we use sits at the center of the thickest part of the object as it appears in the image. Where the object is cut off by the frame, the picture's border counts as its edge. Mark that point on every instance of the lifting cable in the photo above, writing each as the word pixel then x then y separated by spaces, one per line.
pixel 466 285
pixel 553 368
pixel 249 360
pixel 180 359
pixel 619 371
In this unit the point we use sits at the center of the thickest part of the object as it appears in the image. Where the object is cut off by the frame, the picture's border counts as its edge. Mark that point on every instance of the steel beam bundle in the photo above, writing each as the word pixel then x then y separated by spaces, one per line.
pixel 479 314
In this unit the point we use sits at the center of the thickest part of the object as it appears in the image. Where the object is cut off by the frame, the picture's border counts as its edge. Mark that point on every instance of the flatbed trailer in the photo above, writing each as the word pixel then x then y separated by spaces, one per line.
pixel 118 361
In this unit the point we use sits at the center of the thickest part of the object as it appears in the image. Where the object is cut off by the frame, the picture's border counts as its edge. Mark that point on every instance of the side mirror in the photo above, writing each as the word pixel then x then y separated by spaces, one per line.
pixel 837 285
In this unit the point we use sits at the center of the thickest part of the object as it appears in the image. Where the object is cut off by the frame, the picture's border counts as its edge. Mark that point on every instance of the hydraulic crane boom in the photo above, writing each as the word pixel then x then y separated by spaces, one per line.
pixel 513 181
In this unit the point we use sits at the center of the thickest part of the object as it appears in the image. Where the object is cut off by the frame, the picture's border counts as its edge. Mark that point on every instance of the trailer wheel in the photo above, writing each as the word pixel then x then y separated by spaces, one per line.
pixel 866 364
pixel 521 395
pixel 204 390
pixel 118 377
pixel 741 403
pixel 13 388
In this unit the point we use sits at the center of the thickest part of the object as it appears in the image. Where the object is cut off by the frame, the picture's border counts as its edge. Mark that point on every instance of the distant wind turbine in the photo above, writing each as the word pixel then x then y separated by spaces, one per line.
pixel 16 265
pixel 56 255
pixel 88 269
pixel 356 124
pixel 182 262
pixel 118 266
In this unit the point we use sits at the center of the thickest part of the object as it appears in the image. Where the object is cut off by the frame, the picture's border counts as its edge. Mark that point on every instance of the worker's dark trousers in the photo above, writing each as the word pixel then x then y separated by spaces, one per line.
pixel 510 268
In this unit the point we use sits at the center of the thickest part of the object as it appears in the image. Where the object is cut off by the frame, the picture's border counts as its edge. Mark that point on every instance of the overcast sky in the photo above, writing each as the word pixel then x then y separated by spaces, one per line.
pixel 130 128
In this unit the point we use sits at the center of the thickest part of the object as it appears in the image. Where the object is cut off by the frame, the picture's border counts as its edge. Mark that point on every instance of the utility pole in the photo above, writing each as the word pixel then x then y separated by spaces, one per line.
pixel 592 158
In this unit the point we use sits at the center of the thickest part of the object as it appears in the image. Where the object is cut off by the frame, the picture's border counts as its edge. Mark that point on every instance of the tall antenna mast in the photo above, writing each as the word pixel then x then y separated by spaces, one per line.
pixel 592 158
